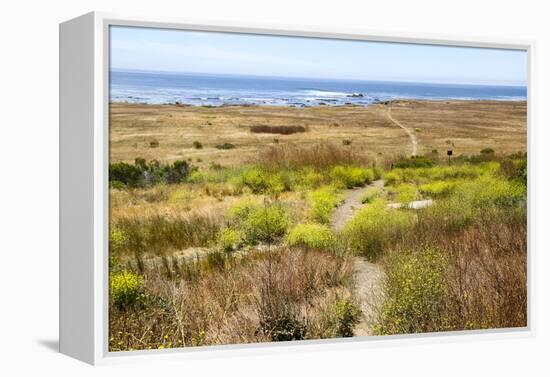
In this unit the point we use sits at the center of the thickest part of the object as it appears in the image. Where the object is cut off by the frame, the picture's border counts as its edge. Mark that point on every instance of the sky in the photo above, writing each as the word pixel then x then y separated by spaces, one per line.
pixel 153 49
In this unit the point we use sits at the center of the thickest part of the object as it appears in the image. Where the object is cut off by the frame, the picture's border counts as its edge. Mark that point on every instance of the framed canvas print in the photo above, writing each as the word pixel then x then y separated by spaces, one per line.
pixel 236 189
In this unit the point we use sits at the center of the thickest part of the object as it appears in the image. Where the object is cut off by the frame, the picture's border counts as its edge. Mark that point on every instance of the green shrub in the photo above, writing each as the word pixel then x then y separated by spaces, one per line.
pixel 415 292
pixel 446 214
pixel 229 239
pixel 392 178
pixel 197 144
pixel 488 190
pixel 515 169
pixel 415 162
pixel 426 175
pixel 125 174
pixel 311 236
pixel 285 327
pixel 225 146
pixel 265 223
pixel 261 181
pixel 175 172
pixel 374 227
pixel 322 203
pixel 125 288
pixel 117 240
pixel 144 174
pixel 404 193
pixel 487 151
pixel 351 176
pixel 310 178
pixel 347 316
pixel 240 210
pixel 437 189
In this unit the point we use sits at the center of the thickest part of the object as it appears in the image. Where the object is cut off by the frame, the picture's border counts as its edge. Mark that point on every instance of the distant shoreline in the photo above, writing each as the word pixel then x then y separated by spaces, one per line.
pixel 215 90
pixel 328 104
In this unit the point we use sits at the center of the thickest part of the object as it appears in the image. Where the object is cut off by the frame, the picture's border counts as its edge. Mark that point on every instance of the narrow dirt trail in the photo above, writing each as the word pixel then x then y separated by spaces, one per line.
pixel 368 276
pixel 352 201
pixel 411 134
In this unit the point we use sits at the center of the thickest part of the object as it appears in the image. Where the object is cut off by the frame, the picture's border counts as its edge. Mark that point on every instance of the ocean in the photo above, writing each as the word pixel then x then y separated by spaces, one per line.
pixel 219 90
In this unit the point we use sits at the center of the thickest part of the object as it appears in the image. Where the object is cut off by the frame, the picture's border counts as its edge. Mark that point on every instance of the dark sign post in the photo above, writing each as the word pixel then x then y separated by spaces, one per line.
pixel 450 153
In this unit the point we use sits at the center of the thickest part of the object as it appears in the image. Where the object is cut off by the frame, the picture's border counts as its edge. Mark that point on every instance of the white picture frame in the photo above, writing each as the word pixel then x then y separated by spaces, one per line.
pixel 84 106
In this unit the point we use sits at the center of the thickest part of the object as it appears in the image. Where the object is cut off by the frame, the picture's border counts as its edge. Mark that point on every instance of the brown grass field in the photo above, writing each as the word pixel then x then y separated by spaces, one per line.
pixel 465 126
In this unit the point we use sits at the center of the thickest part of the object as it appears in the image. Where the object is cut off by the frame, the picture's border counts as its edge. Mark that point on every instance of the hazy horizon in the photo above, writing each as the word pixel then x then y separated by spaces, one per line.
pixel 193 52
pixel 129 70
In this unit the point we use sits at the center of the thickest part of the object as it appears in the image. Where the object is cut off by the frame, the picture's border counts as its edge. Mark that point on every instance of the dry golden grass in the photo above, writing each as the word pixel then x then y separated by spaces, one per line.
pixel 283 295
pixel 469 125
pixel 465 126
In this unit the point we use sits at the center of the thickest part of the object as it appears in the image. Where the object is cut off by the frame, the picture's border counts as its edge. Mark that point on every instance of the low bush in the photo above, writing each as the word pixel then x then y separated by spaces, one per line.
pixel 283 130
pixel 487 190
pixel 515 169
pixel 265 223
pixel 487 152
pixel 404 193
pixel 322 203
pixel 261 181
pixel 310 178
pixel 122 174
pixel 225 146
pixel 437 189
pixel 347 315
pixel 142 174
pixel 415 162
pixel 310 236
pixel 351 176
pixel 392 178
pixel 125 289
pixel 230 239
pixel 376 227
pixel 415 292
pixel 117 240
pixel 197 144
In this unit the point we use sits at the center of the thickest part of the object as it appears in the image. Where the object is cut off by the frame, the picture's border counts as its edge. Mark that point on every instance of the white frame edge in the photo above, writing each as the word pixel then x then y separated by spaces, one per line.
pixel 84 107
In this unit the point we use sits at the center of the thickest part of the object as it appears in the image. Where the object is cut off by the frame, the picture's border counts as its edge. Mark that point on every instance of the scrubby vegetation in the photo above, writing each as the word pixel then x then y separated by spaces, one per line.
pixel 311 236
pixel 461 263
pixel 283 130
pixel 215 254
pixel 143 173
pixel 286 295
